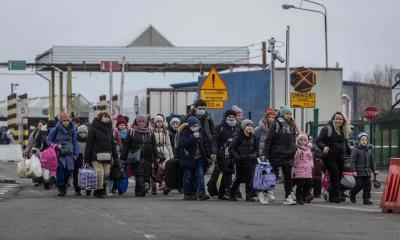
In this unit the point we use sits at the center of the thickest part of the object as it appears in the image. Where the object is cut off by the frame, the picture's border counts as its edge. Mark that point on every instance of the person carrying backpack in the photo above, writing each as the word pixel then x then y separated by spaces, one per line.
pixel 63 136
pixel 219 146
pixel 243 149
pixel 280 148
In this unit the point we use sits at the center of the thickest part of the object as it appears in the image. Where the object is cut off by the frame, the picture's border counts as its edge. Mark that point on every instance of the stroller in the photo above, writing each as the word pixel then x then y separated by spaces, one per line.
pixel 347 183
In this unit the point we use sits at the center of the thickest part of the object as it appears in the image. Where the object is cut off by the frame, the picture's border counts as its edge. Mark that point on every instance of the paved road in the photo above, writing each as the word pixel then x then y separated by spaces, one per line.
pixel 34 213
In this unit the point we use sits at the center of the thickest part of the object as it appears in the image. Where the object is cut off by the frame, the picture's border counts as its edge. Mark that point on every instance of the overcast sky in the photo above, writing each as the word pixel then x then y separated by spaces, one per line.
pixel 362 33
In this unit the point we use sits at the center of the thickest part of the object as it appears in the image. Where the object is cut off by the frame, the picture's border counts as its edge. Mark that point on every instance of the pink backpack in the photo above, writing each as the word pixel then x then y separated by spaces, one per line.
pixel 49 160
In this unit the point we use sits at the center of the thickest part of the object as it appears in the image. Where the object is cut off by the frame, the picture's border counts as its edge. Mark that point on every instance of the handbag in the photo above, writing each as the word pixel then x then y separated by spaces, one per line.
pixel 66 149
pixel 103 157
pixel 134 157
pixel 118 171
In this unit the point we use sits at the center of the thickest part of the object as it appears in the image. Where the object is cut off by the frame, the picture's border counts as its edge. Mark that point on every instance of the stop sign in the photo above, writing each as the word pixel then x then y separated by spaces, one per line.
pixel 371 113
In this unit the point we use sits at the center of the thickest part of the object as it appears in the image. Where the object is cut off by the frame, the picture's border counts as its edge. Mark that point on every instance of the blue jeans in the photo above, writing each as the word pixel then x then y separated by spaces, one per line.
pixel 62 176
pixel 194 177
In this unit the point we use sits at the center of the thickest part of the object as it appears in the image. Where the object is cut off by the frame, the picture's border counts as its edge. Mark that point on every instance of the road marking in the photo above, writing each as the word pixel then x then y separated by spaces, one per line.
pixel 347 208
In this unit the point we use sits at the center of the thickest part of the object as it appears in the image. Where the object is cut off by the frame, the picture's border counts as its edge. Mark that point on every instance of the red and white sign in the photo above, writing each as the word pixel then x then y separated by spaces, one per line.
pixel 106 65
pixel 371 113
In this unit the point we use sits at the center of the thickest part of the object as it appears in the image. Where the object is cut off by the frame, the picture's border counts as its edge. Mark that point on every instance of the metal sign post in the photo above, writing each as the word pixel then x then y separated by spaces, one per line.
pixel 111 89
pixel 121 92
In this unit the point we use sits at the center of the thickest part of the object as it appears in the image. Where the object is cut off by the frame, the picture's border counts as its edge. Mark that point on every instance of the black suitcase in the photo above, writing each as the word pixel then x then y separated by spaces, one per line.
pixel 173 177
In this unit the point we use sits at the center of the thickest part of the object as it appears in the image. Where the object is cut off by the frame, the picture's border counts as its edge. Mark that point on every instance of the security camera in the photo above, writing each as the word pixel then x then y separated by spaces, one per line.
pixel 271 44
pixel 270 48
pixel 280 59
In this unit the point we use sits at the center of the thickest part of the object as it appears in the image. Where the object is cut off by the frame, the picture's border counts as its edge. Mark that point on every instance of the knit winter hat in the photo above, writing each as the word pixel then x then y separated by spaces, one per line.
pixel 175 120
pixel 141 118
pixel 158 118
pixel 121 120
pixel 82 129
pixel 270 112
pixel 237 109
pixel 302 136
pixel 193 121
pixel 229 112
pixel 246 122
pixel 285 110
pixel 361 135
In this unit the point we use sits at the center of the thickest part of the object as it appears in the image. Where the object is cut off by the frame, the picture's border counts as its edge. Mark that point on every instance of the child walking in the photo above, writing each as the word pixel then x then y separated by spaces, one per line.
pixel 82 138
pixel 363 162
pixel 302 168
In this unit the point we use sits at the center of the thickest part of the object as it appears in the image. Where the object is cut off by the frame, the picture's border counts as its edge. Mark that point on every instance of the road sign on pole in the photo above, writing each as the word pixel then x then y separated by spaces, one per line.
pixel 215 104
pixel 302 100
pixel 16 65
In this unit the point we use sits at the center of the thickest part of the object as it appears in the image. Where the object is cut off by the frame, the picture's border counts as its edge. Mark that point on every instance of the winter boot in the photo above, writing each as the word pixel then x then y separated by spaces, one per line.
pixel 367 201
pixel 154 191
pixel 203 197
pixel 250 198
pixel 238 194
pixel 232 195
pixel 62 192
pixel 88 192
pixel 221 196
pixel 78 193
pixel 352 197
pixel 166 191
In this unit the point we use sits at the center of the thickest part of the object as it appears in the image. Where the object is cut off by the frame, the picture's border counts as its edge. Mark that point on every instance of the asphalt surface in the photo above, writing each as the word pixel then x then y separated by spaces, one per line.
pixel 35 213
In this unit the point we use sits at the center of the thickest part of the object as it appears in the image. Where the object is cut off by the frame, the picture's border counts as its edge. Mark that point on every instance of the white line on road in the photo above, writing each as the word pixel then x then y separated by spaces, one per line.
pixel 347 208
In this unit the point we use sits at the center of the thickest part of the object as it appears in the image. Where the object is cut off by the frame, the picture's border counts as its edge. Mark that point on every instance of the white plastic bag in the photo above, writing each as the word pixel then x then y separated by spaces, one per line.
pixel 46 174
pixel 34 168
pixel 21 169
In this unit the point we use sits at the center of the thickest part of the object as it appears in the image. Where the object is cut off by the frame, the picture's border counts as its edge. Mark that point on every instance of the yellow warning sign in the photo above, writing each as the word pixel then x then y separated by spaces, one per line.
pixel 302 100
pixel 213 81
pixel 215 104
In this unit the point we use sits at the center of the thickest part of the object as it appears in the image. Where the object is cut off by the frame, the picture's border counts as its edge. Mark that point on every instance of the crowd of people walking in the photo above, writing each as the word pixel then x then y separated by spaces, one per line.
pixel 175 152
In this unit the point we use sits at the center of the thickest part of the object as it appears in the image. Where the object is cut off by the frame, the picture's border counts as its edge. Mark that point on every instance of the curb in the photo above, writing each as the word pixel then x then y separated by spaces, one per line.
pixel 8 181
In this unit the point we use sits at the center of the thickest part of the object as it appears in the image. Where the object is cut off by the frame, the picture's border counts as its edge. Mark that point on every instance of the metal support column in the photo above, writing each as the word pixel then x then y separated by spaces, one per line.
pixel 69 89
pixel 52 101
pixel 61 92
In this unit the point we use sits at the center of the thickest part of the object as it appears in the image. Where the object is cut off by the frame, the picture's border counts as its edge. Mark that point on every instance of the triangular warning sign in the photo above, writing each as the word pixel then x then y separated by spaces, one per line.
pixel 213 81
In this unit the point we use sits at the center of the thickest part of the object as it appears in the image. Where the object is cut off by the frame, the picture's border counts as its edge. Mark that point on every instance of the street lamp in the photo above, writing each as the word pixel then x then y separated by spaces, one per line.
pixel 324 13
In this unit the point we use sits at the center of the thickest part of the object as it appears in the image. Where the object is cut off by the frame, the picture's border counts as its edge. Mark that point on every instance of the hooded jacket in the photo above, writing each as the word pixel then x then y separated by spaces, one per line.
pixel 189 146
pixel 222 133
pixel 303 163
pixel 100 140
pixel 280 145
pixel 362 160
pixel 206 123
pixel 244 149
pixel 146 141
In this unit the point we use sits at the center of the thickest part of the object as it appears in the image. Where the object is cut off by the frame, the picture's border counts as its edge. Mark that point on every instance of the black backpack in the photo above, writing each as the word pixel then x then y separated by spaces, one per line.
pixel 4 140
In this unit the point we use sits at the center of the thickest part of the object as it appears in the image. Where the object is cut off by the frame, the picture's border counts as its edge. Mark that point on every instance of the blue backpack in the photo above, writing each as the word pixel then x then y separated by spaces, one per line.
pixel 264 178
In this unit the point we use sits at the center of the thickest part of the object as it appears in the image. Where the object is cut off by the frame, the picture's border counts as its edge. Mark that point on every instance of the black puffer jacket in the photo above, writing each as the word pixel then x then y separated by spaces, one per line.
pixel 244 150
pixel 146 141
pixel 100 140
pixel 362 160
pixel 338 146
pixel 280 145
pixel 222 133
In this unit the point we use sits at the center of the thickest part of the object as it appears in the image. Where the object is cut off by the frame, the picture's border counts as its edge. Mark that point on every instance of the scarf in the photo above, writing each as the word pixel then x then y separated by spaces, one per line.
pixel 142 130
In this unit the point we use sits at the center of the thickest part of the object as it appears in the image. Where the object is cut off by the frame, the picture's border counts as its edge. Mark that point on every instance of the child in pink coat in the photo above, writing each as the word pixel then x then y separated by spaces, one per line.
pixel 302 168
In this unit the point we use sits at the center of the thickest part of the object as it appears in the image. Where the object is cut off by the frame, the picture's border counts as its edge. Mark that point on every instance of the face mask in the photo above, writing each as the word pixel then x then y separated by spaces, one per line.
pixel 200 112
pixel 194 129
pixel 231 123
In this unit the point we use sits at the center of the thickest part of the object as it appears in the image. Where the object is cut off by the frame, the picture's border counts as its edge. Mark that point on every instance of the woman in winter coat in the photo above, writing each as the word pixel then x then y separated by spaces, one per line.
pixel 173 131
pixel 244 151
pixel 222 136
pixel 164 152
pixel 141 140
pixel 194 155
pixel 31 141
pixel 280 148
pixel 333 140
pixel 262 129
pixel 100 150
pixel 63 135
